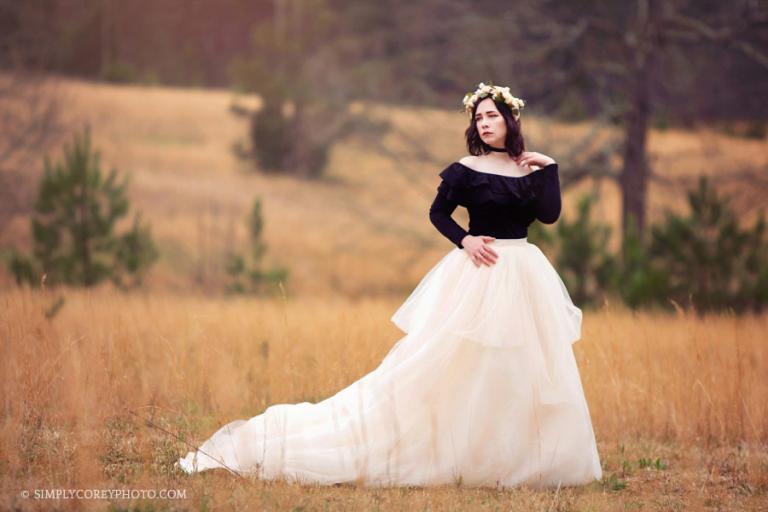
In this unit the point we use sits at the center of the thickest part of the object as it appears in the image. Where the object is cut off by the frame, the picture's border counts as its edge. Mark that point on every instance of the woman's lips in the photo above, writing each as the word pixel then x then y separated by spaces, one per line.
pixel 487 133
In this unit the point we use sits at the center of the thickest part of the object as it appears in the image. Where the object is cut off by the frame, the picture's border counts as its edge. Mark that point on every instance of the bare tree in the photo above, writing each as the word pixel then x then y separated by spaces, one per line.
pixel 658 24
pixel 621 50
pixel 29 104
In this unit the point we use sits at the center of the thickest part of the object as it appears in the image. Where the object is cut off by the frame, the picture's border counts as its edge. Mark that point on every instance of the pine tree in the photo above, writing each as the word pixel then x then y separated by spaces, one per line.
pixel 249 276
pixel 708 260
pixel 73 226
pixel 583 257
pixel 636 280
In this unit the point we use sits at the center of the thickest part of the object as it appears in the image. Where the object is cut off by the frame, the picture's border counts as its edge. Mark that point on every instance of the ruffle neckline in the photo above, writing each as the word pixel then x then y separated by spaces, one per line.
pixel 466 185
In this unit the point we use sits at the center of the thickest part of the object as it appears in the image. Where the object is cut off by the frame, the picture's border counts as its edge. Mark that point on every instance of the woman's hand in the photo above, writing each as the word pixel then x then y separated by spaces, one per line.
pixel 528 158
pixel 478 249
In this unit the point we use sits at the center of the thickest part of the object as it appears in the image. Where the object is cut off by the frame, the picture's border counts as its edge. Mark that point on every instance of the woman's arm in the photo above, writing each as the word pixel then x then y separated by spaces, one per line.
pixel 548 201
pixel 440 216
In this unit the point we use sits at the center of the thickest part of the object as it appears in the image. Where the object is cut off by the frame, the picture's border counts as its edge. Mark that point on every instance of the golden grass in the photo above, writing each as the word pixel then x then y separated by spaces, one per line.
pixel 679 403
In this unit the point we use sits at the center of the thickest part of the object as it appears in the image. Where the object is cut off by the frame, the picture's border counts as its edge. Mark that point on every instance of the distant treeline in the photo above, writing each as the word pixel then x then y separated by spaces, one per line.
pixel 560 56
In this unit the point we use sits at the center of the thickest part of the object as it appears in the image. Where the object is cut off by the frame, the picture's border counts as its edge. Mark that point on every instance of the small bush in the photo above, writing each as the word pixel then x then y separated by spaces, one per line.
pixel 247 274
pixel 73 227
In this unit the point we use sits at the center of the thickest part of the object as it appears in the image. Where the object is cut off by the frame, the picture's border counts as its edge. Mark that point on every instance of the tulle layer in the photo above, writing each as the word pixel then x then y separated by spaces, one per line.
pixel 483 389
pixel 520 303
pixel 515 302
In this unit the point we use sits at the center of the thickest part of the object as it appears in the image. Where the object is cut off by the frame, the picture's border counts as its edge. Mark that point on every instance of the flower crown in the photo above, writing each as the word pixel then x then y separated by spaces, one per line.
pixel 497 93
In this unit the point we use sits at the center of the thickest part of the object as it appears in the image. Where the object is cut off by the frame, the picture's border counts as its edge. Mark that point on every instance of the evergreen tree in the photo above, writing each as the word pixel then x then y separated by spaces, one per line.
pixel 583 257
pixel 708 261
pixel 249 276
pixel 73 226
pixel 637 281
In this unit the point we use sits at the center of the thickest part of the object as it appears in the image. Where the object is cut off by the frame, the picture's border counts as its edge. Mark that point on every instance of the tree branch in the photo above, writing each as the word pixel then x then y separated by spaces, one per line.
pixel 693 30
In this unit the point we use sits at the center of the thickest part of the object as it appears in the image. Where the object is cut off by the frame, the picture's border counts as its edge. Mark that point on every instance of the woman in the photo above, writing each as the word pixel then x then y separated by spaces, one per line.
pixel 483 389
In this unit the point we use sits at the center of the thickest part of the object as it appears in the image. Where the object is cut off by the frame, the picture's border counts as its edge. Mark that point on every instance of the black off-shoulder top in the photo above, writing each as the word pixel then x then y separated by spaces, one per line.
pixel 498 205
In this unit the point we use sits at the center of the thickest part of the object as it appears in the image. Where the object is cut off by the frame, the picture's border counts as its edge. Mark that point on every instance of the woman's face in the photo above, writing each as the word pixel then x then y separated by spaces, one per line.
pixel 490 123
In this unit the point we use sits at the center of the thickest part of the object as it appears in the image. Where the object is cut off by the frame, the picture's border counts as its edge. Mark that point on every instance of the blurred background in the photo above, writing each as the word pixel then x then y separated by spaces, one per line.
pixel 210 207
pixel 293 146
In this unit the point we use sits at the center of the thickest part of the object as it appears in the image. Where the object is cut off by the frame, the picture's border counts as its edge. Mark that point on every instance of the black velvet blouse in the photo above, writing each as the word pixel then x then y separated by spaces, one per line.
pixel 498 206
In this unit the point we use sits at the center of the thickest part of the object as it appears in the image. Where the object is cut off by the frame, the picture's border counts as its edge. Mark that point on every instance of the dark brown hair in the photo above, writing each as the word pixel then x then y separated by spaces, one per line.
pixel 514 141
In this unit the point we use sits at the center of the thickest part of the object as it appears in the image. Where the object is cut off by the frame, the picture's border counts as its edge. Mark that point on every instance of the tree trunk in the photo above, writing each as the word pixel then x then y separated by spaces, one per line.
pixel 107 37
pixel 634 174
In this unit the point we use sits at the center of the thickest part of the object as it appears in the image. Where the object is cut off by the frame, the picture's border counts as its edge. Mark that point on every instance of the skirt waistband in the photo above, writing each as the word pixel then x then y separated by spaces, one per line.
pixel 509 241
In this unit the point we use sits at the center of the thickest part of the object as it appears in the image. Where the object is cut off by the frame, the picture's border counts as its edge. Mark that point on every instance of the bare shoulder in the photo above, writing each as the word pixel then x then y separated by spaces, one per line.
pixel 468 160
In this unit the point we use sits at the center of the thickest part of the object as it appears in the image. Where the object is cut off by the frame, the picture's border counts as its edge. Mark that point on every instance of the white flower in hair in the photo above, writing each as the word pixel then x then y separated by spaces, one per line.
pixel 497 94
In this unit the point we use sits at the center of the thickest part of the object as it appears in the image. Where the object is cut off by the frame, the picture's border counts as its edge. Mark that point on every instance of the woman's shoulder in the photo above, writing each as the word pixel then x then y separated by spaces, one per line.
pixel 467 160
pixel 453 173
pixel 458 168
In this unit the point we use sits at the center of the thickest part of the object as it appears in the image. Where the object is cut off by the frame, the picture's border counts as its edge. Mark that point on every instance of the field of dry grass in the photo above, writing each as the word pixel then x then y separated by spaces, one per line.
pixel 363 229
pixel 679 404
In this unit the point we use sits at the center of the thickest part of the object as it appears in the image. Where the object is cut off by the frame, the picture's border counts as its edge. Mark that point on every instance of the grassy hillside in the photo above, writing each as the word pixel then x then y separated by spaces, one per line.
pixel 363 229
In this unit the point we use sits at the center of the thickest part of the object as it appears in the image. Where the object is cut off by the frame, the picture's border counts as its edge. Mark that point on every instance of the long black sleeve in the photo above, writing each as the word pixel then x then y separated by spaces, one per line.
pixel 440 216
pixel 548 202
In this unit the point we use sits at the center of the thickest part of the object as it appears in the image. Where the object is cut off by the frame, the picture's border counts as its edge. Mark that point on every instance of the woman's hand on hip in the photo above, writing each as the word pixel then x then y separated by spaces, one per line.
pixel 479 250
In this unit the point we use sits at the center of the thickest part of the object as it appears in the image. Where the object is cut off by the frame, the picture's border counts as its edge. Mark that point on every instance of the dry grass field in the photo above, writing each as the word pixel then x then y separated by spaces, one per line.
pixel 363 229
pixel 679 404
pixel 96 387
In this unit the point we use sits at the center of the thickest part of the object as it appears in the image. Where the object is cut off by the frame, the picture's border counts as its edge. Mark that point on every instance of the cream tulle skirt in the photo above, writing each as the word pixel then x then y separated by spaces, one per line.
pixel 482 390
